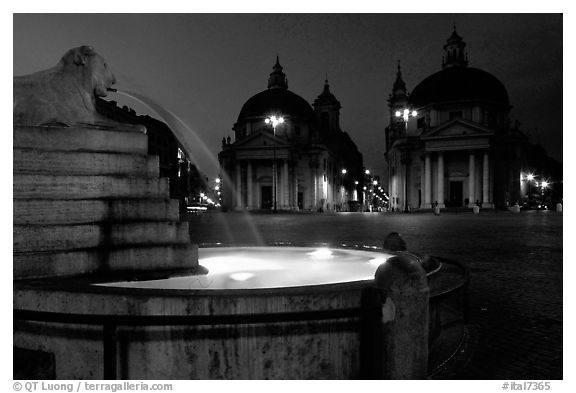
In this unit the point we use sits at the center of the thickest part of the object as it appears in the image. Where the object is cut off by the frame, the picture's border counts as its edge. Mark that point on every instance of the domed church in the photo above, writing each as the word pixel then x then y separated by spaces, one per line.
pixel 449 143
pixel 303 162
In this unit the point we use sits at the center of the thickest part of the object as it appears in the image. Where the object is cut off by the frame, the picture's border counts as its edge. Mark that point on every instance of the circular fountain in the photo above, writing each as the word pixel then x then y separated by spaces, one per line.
pixel 271 313
pixel 108 284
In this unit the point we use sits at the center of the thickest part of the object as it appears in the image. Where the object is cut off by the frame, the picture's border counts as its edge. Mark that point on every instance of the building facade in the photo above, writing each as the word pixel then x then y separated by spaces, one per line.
pixel 185 180
pixel 455 146
pixel 304 163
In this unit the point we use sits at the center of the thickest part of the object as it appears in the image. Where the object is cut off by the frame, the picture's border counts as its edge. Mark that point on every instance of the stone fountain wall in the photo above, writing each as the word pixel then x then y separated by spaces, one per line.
pixel 90 200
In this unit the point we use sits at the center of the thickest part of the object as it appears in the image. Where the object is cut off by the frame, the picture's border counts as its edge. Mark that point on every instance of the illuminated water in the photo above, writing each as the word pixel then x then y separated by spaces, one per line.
pixel 271 267
pixel 190 140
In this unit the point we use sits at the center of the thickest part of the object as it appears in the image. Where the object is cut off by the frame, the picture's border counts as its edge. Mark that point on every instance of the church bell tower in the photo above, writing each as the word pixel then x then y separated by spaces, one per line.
pixel 454 54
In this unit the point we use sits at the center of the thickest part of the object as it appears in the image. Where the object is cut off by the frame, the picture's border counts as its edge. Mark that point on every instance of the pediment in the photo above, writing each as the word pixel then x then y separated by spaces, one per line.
pixel 457 128
pixel 260 139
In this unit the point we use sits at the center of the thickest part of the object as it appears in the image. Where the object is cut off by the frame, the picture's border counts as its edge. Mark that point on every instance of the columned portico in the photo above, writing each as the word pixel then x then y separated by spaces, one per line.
pixel 314 173
pixel 471 180
pixel 295 187
pixel 285 185
pixel 251 180
pixel 427 191
pixel 440 177
pixel 486 200
pixel 249 187
pixel 238 185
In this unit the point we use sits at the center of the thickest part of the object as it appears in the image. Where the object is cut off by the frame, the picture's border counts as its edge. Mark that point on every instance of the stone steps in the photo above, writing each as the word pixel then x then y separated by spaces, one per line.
pixel 83 163
pixel 90 200
pixel 94 261
pixel 80 139
pixel 88 187
pixel 35 238
pixel 46 212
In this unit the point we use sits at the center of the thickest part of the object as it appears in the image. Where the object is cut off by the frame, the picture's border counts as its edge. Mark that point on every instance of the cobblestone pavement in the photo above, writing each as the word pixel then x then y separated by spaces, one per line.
pixel 515 329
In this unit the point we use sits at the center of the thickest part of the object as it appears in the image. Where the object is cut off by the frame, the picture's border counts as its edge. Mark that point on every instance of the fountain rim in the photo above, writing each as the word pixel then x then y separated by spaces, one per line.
pixel 86 283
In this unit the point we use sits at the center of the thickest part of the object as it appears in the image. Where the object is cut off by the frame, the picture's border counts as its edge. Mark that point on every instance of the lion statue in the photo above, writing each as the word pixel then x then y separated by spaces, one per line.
pixel 65 95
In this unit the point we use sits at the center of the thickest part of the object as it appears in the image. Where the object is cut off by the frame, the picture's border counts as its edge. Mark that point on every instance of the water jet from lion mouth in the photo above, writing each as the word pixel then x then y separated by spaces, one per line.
pixel 187 138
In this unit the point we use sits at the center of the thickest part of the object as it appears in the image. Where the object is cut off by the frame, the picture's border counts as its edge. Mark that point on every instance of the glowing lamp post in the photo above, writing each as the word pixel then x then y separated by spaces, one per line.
pixel 544 185
pixel 405 115
pixel 274 121
pixel 529 179
pixel 344 171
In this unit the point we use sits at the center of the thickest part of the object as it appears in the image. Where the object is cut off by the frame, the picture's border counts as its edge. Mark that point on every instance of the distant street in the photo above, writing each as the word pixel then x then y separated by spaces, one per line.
pixel 516 273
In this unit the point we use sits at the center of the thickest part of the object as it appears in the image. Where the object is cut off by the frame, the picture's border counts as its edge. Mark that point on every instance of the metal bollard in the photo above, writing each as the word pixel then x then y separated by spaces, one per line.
pixel 476 210
pixel 559 207
pixel 437 211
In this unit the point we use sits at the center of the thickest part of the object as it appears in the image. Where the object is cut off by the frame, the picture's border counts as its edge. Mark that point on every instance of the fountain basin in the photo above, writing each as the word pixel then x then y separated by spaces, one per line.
pixel 270 267
pixel 320 279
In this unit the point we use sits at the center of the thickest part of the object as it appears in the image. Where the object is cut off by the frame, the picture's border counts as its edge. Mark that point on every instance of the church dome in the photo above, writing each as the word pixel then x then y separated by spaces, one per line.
pixel 459 84
pixel 457 81
pixel 276 101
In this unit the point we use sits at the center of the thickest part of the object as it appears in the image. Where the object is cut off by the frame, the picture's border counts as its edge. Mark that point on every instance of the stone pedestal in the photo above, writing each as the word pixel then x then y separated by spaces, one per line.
pixel 90 200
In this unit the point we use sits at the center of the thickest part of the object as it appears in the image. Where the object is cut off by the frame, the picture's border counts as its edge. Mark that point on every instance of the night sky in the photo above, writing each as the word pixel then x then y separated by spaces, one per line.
pixel 203 67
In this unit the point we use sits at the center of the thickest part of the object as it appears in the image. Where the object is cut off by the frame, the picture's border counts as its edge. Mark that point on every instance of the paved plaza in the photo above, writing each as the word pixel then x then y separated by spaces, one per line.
pixel 515 329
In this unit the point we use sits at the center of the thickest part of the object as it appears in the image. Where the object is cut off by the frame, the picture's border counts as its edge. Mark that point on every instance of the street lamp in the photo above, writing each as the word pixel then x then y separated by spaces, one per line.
pixel 405 115
pixel 543 186
pixel 530 178
pixel 274 121
pixel 344 171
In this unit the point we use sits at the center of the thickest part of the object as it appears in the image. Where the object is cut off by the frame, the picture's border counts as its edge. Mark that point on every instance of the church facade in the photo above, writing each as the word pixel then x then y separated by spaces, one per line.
pixel 306 162
pixel 449 143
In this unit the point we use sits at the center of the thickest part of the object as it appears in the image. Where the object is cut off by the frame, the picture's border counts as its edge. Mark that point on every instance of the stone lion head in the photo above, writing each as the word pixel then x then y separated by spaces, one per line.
pixel 65 95
pixel 92 66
